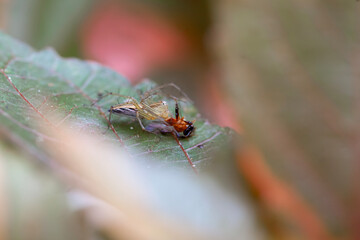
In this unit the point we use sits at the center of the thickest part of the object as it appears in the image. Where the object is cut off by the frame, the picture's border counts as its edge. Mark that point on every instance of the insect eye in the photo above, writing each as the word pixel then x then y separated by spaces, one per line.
pixel 187 132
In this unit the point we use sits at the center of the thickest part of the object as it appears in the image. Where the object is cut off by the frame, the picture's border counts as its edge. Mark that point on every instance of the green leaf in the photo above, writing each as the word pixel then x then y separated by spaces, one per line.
pixel 36 85
pixel 42 22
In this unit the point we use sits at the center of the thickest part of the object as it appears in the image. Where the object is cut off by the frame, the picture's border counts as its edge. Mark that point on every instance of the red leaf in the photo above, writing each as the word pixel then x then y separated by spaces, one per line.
pixel 131 41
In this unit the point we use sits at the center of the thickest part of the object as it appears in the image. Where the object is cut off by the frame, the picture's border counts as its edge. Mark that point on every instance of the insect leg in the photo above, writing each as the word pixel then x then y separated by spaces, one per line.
pixel 132 99
pixel 138 118
pixel 176 133
pixel 110 112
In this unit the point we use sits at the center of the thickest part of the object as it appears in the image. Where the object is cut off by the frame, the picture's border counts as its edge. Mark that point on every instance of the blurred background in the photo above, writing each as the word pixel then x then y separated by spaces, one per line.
pixel 284 74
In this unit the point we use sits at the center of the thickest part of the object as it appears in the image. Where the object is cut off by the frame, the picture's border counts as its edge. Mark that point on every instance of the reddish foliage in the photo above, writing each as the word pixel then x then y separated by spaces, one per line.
pixel 279 196
pixel 131 41
pixel 217 104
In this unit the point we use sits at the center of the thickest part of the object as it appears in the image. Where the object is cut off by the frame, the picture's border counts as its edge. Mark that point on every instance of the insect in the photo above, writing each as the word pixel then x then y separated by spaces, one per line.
pixel 177 123
pixel 159 115
pixel 157 112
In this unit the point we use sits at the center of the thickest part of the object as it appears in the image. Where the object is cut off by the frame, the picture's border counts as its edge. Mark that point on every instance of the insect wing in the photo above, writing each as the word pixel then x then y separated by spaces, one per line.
pixel 161 109
pixel 154 111
pixel 158 127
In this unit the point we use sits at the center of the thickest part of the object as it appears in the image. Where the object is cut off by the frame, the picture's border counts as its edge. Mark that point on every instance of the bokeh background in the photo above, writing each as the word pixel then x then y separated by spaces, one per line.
pixel 284 74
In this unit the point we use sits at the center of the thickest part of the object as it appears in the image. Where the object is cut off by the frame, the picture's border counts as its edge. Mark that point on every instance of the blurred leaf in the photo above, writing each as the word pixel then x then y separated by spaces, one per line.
pixel 43 23
pixel 137 30
pixel 157 203
pixel 37 206
pixel 37 85
pixel 293 68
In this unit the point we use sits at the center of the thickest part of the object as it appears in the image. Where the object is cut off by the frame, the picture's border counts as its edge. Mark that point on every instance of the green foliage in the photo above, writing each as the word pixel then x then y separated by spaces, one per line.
pixel 42 22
